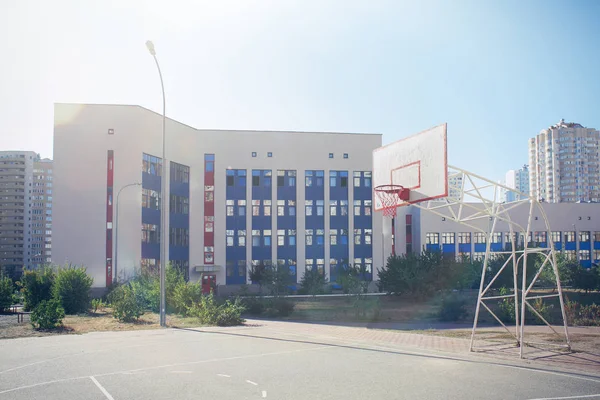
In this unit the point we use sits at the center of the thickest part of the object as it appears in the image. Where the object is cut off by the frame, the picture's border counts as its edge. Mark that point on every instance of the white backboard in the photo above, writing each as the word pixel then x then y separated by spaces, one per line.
pixel 418 163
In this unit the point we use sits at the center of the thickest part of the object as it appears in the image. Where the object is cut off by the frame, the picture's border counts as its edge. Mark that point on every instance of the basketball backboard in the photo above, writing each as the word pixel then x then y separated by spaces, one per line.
pixel 418 163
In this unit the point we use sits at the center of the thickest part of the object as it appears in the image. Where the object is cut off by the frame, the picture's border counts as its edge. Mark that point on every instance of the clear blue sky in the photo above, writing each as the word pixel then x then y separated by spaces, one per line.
pixel 496 72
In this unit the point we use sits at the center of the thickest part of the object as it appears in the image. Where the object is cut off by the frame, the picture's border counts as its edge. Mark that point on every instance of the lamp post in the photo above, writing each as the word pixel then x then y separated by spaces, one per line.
pixel 163 195
pixel 117 230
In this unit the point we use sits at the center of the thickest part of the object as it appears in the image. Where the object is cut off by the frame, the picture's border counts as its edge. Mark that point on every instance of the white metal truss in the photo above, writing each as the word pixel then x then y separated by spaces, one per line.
pixel 472 201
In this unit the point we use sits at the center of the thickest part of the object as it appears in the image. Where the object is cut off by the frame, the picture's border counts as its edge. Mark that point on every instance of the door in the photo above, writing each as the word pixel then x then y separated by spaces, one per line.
pixel 208 283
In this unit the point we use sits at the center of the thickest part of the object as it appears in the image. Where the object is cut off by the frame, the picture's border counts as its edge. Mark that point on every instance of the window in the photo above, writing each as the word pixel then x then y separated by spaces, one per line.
pixel 368 207
pixel 267 208
pixel 344 207
pixel 584 255
pixel 330 155
pixel 320 207
pixel 308 180
pixel 357 236
pixel 255 180
pixel 333 208
pixel 150 233
pixel 584 236
pixel 255 240
pixel 357 204
pixel 179 237
pixel 229 208
pixel 368 234
pixel 479 237
pixel 332 181
pixel 281 237
pixel 448 238
pixel 281 180
pixel 464 237
pixel 150 199
pixel 596 255
pixel 432 238
pixel 280 208
pixel 569 236
pixel 345 155
pixel 267 240
pixel 478 256
pixel 596 236
pixel 230 178
pixel 253 154
pixel 309 262
pixel 308 207
pixel 181 173
pixel 179 204
pixel 241 211
pixel 292 240
pixel 556 236
pixel 540 236
pixel 151 165
pixel 308 235
pixel 269 154
pixel 255 208
pixel 229 237
pixel 242 240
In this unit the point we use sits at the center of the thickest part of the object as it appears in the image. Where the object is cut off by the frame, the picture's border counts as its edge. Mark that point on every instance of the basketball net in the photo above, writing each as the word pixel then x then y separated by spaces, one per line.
pixel 389 196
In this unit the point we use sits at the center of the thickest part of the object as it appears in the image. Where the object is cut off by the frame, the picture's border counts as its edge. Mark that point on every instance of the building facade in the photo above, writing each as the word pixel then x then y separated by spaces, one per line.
pixel 564 164
pixel 519 181
pixel 235 198
pixel 575 229
pixel 23 226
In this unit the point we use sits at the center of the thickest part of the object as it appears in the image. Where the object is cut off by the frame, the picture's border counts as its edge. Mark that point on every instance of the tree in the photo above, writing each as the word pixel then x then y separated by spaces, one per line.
pixel 313 282
pixel 259 274
pixel 278 280
pixel 586 279
pixel 351 278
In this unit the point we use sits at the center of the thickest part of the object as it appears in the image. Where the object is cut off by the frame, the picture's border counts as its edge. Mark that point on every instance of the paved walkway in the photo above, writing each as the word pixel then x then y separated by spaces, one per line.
pixel 503 350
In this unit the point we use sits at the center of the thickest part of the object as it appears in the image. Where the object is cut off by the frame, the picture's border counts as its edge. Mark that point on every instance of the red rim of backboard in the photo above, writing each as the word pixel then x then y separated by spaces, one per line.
pixel 389 196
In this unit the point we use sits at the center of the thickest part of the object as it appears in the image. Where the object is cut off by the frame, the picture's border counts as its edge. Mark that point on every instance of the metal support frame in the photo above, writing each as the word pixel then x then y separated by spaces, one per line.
pixel 478 201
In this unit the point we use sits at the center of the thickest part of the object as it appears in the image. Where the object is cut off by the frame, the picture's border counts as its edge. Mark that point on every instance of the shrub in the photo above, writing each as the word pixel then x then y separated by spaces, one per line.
pixel 506 307
pixel 125 304
pixel 36 286
pixel 72 288
pixel 254 305
pixel 313 282
pixel 209 312
pixel 6 293
pixel 278 307
pixel 350 279
pixel 588 315
pixel 48 314
pixel 453 308
pixel 97 304
pixel 184 295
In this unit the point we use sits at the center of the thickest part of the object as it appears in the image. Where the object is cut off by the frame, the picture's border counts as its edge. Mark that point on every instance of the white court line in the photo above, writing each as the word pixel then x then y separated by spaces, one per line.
pixel 224 376
pixel 132 371
pixel 264 394
pixel 252 383
pixel 108 396
pixel 585 396
pixel 181 372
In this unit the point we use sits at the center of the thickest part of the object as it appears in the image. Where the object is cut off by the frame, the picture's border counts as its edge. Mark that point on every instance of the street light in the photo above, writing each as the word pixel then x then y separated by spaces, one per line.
pixel 117 230
pixel 163 195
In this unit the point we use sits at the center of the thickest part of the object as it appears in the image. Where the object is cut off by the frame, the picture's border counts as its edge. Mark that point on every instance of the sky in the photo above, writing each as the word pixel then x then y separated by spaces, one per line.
pixel 496 71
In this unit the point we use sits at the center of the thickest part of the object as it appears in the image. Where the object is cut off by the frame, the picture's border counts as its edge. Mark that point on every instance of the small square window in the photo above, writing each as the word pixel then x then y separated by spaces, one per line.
pixel 345 155
pixel 330 155
pixel 111 131
pixel 269 154
pixel 253 154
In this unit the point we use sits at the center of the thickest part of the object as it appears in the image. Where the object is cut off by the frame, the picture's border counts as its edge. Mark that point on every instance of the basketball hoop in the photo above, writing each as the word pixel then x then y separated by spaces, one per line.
pixel 389 196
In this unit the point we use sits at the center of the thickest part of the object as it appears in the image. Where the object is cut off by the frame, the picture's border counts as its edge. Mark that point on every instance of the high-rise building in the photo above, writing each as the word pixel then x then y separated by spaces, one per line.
pixel 22 211
pixel 236 199
pixel 517 179
pixel 564 164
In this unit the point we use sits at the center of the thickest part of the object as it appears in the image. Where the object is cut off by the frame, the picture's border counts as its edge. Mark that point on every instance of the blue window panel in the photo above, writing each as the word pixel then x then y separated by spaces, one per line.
pixel 496 247
pixel 178 221
pixel 256 172
pixel 584 246
pixel 180 188
pixel 230 172
pixel 320 240
pixel 586 263
pixel 363 251
pixel 150 216
pixel 332 181
pixel 209 157
pixel 432 247
pixel 557 246
pixel 292 240
pixel 448 248
pixel 344 240
pixel 241 181
pixel 179 253
pixel 570 246
pixel 597 245
pixel 464 247
pixel 151 250
pixel 267 241
pixel 543 245
pixel 150 181
pixel 210 166
pixel 479 247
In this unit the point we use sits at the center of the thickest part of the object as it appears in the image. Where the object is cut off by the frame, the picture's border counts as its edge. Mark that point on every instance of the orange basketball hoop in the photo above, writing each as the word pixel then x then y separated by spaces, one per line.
pixel 389 196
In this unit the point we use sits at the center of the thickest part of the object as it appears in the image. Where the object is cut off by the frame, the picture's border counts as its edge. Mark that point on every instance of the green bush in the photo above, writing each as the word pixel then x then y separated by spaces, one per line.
pixel 72 288
pixel 543 309
pixel 36 286
pixel 313 282
pixel 146 286
pixel 278 307
pixel 97 304
pixel 209 312
pixel 453 308
pixel 588 315
pixel 126 306
pixel 254 305
pixel 184 295
pixel 6 293
pixel 48 314
pixel 506 307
